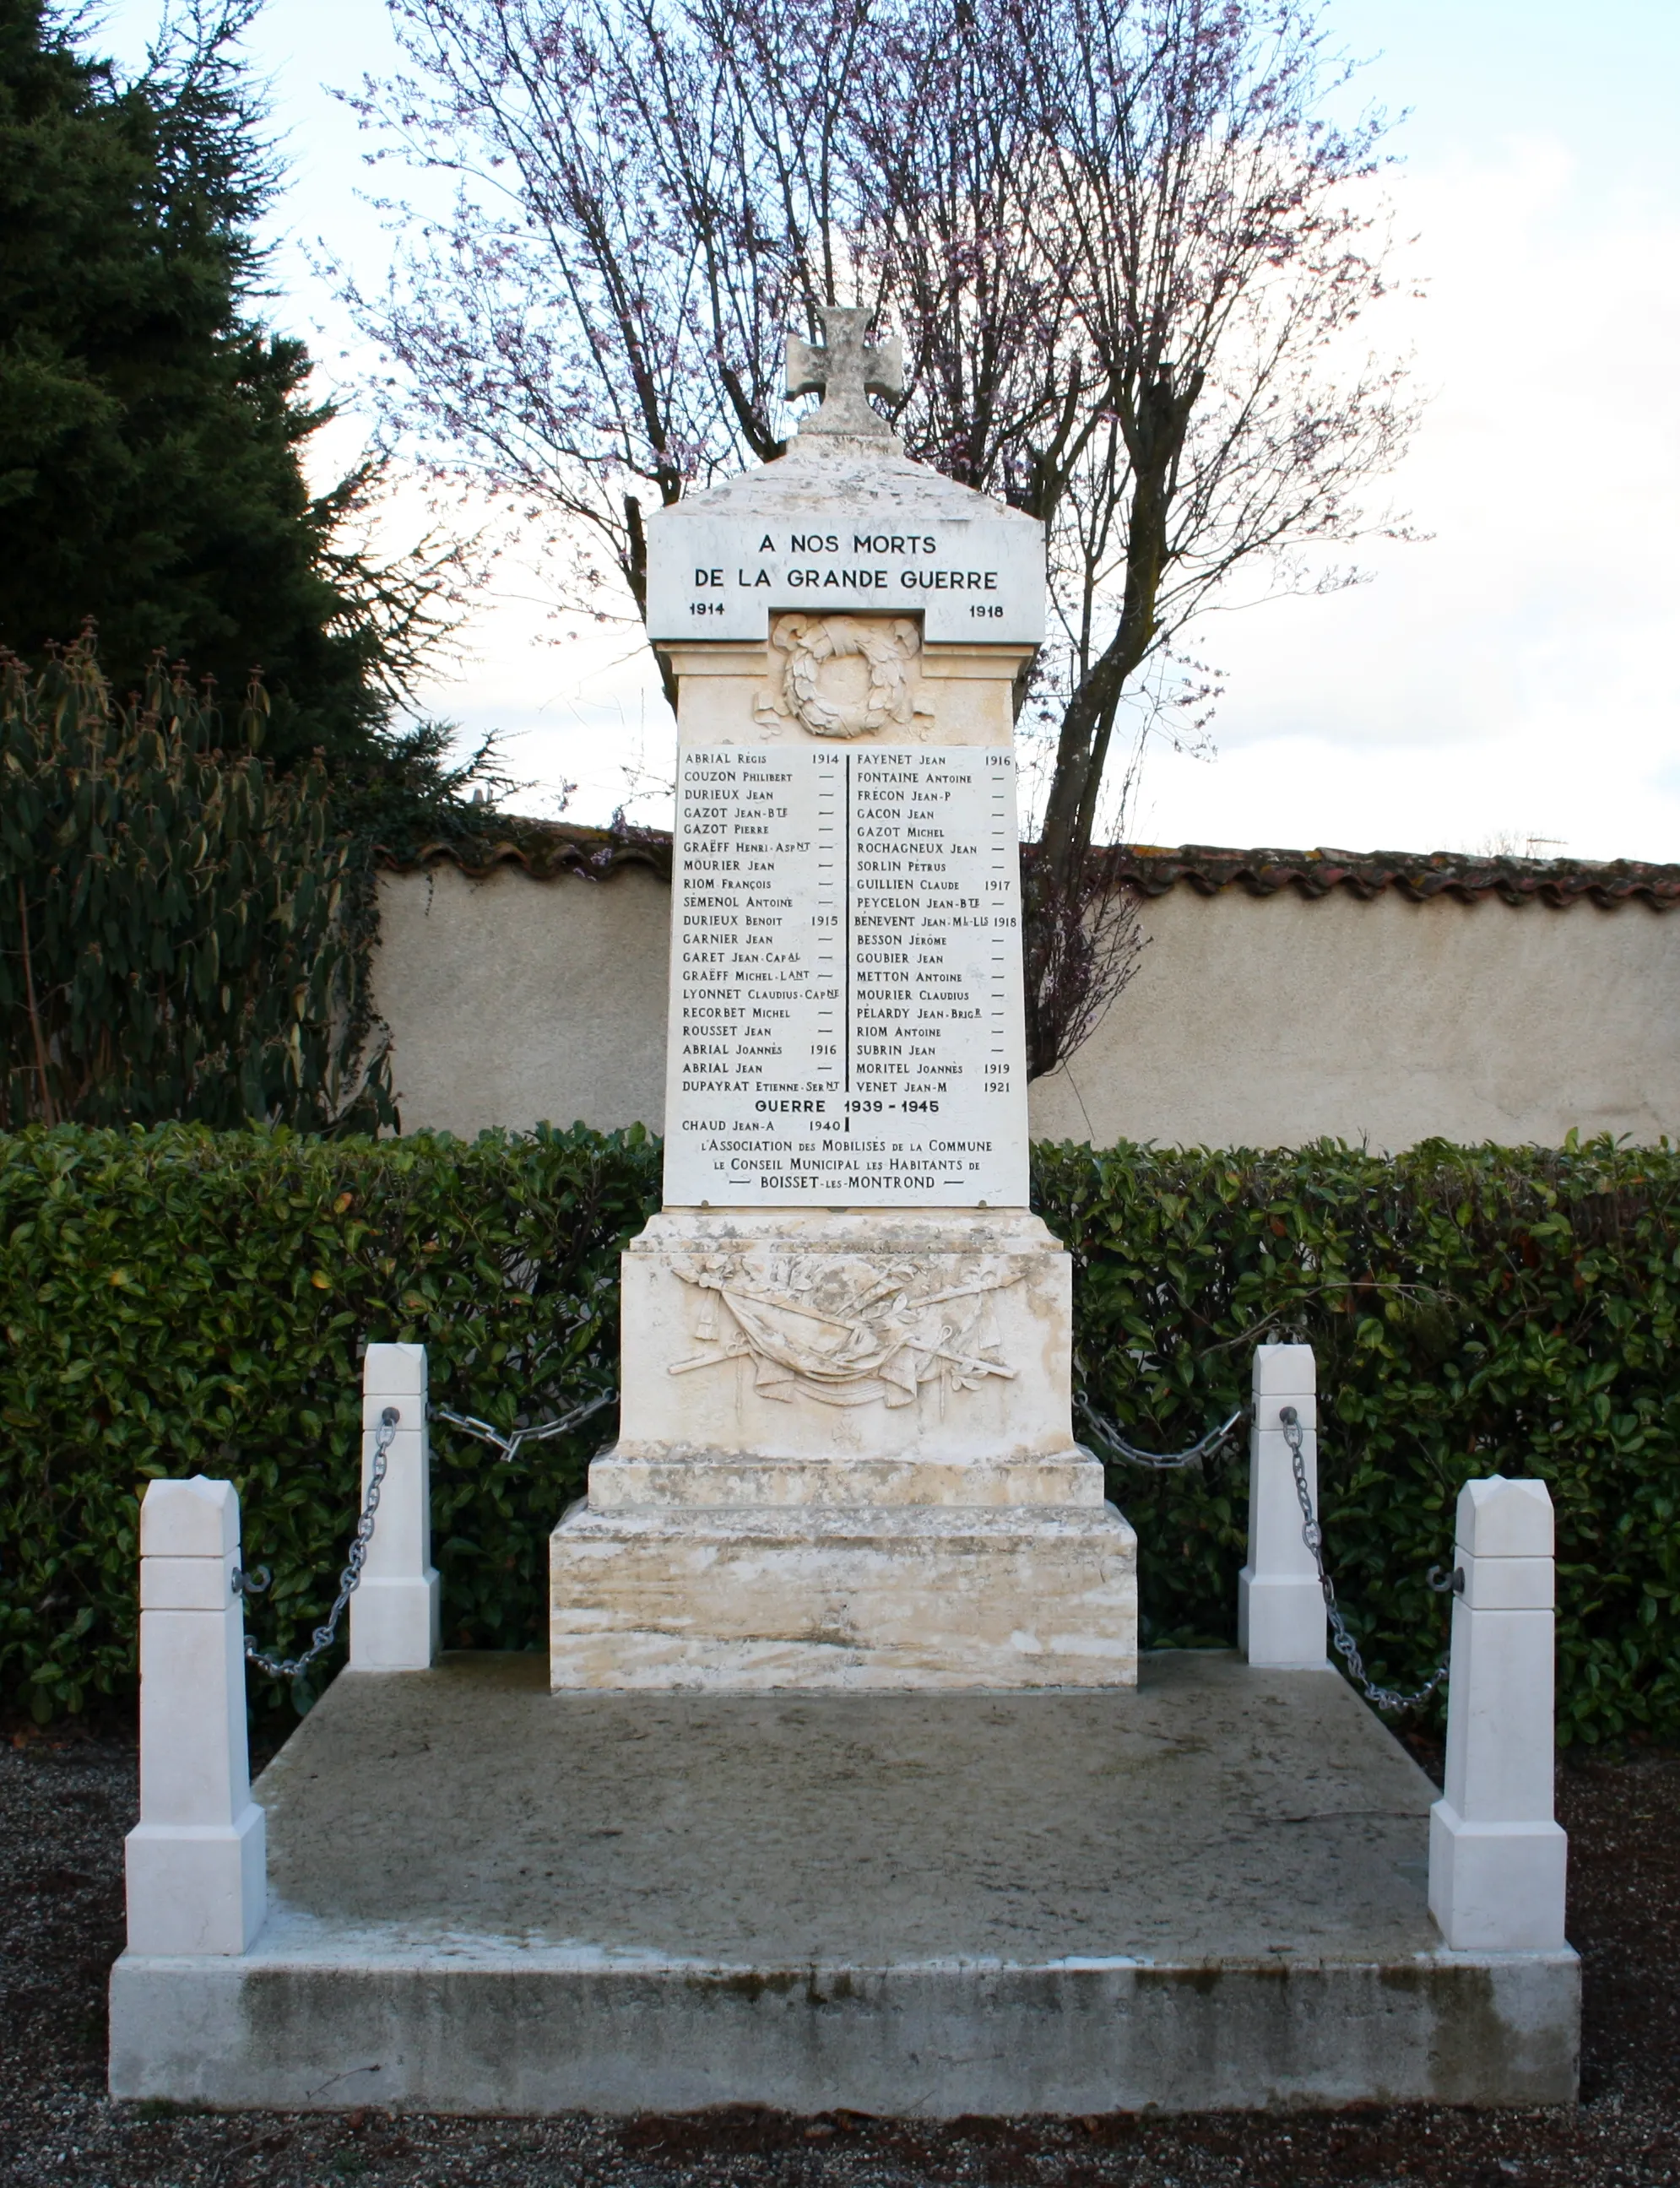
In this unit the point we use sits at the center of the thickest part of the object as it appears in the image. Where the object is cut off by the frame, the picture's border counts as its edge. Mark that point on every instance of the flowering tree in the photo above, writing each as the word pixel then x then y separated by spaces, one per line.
pixel 1126 250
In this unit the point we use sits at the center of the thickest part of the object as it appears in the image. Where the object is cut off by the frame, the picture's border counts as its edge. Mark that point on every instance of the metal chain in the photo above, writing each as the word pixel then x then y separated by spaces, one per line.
pixel 509 1445
pixel 294 1667
pixel 1382 1698
pixel 255 1582
pixel 1160 1461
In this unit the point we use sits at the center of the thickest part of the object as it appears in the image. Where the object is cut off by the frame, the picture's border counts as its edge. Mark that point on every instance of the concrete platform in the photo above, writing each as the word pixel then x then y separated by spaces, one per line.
pixel 1208 1892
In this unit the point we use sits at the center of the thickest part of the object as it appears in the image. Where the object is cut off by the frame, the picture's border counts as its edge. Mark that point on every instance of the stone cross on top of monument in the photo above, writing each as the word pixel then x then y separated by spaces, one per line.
pixel 845 371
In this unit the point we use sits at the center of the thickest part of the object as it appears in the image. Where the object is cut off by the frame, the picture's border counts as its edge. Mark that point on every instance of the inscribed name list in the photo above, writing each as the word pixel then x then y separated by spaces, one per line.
pixel 846 1024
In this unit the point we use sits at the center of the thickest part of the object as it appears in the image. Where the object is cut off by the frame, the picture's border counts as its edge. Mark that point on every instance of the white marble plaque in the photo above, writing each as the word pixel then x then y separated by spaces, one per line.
pixel 846 1019
pixel 719 574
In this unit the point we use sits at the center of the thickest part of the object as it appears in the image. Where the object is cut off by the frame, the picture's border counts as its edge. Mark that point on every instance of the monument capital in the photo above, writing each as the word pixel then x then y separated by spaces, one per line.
pixel 845 522
pixel 845 372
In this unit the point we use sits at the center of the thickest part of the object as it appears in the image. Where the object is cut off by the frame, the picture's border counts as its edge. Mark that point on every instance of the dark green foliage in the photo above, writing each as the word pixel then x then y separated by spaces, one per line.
pixel 1474 1310
pixel 149 431
pixel 176 1300
pixel 182 934
pixel 413 792
pixel 180 1301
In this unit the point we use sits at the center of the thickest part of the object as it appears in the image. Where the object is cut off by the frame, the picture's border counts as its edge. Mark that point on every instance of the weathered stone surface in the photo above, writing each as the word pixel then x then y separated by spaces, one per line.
pixel 1207 1891
pixel 845 1459
pixel 843 522
pixel 960 694
pixel 917 1597
pixel 195 1861
pixel 846 1012
pixel 1280 1600
pixel 846 1455
pixel 1498 1858
pixel 846 370
pixel 948 1341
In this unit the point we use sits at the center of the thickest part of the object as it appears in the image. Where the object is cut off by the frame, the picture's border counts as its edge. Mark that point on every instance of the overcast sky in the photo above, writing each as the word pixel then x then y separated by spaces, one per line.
pixel 1513 677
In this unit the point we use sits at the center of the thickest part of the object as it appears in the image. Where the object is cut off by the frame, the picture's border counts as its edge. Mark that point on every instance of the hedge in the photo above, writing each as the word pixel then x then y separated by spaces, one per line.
pixel 180 1299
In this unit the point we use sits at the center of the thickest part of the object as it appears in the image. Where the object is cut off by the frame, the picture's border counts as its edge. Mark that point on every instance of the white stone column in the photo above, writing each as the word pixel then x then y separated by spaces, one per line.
pixel 845 1454
pixel 394 1613
pixel 197 1880
pixel 1280 1604
pixel 1496 1857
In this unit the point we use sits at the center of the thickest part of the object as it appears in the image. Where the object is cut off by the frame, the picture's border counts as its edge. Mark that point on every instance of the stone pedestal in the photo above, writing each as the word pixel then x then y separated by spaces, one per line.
pixel 492 1899
pixel 195 1861
pixel 1498 1858
pixel 846 1457
pixel 1280 1598
pixel 395 1610
pixel 845 1461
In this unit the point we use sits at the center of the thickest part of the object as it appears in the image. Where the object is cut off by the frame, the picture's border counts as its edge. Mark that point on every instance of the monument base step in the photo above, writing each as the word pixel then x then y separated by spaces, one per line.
pixel 696 1479
pixel 747 1599
pixel 1205 1893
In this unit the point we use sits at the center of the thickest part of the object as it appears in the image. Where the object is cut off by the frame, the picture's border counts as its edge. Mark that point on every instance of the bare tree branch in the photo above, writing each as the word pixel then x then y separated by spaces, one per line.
pixel 1128 250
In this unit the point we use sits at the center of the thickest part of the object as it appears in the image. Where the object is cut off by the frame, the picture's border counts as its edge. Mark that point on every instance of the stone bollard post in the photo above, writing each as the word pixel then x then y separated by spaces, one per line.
pixel 1496 1857
pixel 195 1861
pixel 1280 1604
pixel 394 1612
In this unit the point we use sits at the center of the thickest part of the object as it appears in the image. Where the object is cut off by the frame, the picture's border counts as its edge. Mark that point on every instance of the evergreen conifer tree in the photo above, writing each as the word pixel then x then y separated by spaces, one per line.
pixel 150 429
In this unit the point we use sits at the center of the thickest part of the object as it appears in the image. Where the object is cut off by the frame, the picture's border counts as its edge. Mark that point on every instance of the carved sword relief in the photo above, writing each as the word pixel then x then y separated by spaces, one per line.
pixel 845 1330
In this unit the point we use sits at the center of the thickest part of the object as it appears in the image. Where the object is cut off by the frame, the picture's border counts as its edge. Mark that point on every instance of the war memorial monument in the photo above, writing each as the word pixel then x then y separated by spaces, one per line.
pixel 843 1783
pixel 846 1455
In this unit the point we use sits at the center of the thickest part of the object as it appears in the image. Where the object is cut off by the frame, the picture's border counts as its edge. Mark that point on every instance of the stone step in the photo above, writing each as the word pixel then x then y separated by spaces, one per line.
pixel 708 1478
pixel 1208 1891
pixel 743 1598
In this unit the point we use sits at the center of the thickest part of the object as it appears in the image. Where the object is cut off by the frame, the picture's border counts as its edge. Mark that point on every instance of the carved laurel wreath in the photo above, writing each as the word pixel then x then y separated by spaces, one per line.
pixel 809 641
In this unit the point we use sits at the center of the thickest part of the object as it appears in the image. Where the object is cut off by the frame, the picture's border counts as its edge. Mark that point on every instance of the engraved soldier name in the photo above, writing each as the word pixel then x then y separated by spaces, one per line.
pixel 846 984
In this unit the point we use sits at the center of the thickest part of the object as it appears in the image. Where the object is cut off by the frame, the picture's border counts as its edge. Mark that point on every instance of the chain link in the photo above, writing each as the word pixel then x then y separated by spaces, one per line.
pixel 294 1667
pixel 509 1445
pixel 1161 1462
pixel 255 1582
pixel 1382 1698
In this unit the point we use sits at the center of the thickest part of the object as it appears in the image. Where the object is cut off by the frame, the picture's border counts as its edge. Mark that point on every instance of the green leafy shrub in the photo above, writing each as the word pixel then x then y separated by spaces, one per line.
pixel 181 1301
pixel 1474 1310
pixel 183 932
pixel 176 1301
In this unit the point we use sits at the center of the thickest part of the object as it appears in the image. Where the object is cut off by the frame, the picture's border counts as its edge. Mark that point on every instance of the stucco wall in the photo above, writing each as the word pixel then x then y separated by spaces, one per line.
pixel 514 1001
pixel 1267 1021
pixel 1257 1020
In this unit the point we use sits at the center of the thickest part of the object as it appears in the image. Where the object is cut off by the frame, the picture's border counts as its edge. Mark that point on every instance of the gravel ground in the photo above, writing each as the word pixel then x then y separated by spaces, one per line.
pixel 65 1803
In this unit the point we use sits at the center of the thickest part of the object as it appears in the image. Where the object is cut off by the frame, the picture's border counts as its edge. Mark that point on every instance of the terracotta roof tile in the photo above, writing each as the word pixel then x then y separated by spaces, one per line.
pixel 546 849
pixel 1417 875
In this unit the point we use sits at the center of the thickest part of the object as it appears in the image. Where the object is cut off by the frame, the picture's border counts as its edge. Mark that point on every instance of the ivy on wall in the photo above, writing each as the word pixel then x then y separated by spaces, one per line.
pixel 180 1300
